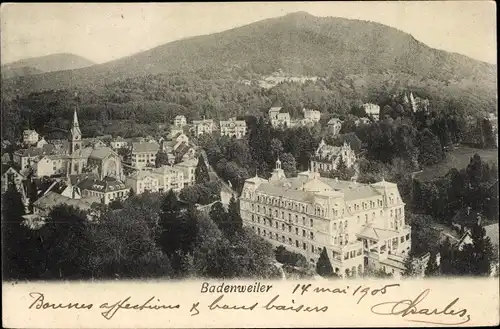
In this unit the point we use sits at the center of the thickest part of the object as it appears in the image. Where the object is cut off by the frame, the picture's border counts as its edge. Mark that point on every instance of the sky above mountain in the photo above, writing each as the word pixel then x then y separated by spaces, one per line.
pixel 104 32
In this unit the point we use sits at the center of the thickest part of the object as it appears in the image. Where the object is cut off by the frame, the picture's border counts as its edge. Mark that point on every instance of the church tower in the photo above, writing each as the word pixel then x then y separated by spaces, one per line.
pixel 75 144
pixel 75 135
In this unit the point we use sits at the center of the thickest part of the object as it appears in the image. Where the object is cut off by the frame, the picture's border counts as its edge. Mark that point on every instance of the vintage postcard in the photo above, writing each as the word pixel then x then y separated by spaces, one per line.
pixel 265 164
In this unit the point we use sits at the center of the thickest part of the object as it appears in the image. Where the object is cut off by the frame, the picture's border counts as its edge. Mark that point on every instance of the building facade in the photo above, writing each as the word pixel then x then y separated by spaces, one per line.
pixel 188 168
pixel 335 125
pixel 205 126
pixel 327 157
pixel 144 154
pixel 312 115
pixel 180 121
pixel 30 137
pixel 372 110
pixel 169 178
pixel 362 226
pixel 107 189
pixel 233 128
pixel 12 176
pixel 141 181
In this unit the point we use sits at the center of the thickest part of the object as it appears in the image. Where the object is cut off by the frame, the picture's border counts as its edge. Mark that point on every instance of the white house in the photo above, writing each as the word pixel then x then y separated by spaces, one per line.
pixel 312 115
pixel 169 178
pixel 141 181
pixel 327 157
pixel 30 137
pixel 205 126
pixel 372 110
pixel 188 168
pixel 233 128
pixel 144 153
pixel 335 125
pixel 180 121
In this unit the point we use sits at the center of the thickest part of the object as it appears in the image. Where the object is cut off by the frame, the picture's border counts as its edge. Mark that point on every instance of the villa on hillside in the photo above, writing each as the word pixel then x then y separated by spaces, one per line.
pixel 327 157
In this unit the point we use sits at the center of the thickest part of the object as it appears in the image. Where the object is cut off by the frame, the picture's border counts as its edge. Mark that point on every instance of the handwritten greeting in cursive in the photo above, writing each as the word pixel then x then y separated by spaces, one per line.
pixel 407 309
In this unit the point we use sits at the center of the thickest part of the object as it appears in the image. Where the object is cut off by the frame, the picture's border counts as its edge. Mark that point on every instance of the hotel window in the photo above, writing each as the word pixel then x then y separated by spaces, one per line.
pixel 296 219
pixel 290 240
pixel 276 236
pixel 296 231
pixel 297 243
pixel 345 224
pixel 373 215
pixel 304 246
pixel 282 215
pixel 402 239
pixel 334 226
pixel 407 237
pixel 258 230
pixel 311 222
pixel 290 217
pixel 290 228
pixel 381 213
pixel 391 213
pixel 303 221
pixel 258 209
pixel 312 236
pixel 303 232
pixel 366 218
pixel 276 225
pixel 283 238
pixel 283 227
pixel 312 248
pixel 264 232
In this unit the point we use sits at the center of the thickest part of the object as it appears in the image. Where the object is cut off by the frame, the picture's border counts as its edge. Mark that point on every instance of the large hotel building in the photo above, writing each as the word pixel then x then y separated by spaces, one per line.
pixel 362 226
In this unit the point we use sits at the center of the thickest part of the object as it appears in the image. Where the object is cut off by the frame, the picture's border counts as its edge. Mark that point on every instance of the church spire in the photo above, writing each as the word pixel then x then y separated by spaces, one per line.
pixel 75 119
pixel 75 126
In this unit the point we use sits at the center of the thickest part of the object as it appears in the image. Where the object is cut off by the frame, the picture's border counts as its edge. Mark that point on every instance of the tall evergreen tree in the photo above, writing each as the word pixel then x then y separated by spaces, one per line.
pixel 409 264
pixel 431 151
pixel 432 268
pixel 488 136
pixel 12 231
pixel 169 223
pixel 235 222
pixel 161 159
pixel 323 266
pixel 219 216
pixel 201 172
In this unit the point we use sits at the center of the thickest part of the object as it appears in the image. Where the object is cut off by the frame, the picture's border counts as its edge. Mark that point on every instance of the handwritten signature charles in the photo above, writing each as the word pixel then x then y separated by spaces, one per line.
pixel 411 310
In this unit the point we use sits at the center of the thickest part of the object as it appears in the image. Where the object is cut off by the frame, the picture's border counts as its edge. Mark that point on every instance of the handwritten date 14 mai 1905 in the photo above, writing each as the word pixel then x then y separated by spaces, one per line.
pixel 410 309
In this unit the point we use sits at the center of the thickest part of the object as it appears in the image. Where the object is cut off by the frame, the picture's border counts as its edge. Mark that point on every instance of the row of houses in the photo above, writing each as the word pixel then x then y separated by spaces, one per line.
pixel 231 127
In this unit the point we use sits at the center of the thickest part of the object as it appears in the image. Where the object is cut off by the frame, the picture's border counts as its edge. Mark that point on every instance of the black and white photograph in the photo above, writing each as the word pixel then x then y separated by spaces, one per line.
pixel 314 141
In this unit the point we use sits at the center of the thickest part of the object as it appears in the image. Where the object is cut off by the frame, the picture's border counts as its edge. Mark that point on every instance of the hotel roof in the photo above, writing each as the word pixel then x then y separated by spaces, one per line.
pixel 145 147
pixel 303 188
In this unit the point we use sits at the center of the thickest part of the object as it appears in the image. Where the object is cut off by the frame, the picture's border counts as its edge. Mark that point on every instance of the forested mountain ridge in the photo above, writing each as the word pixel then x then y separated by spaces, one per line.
pixel 44 64
pixel 298 43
